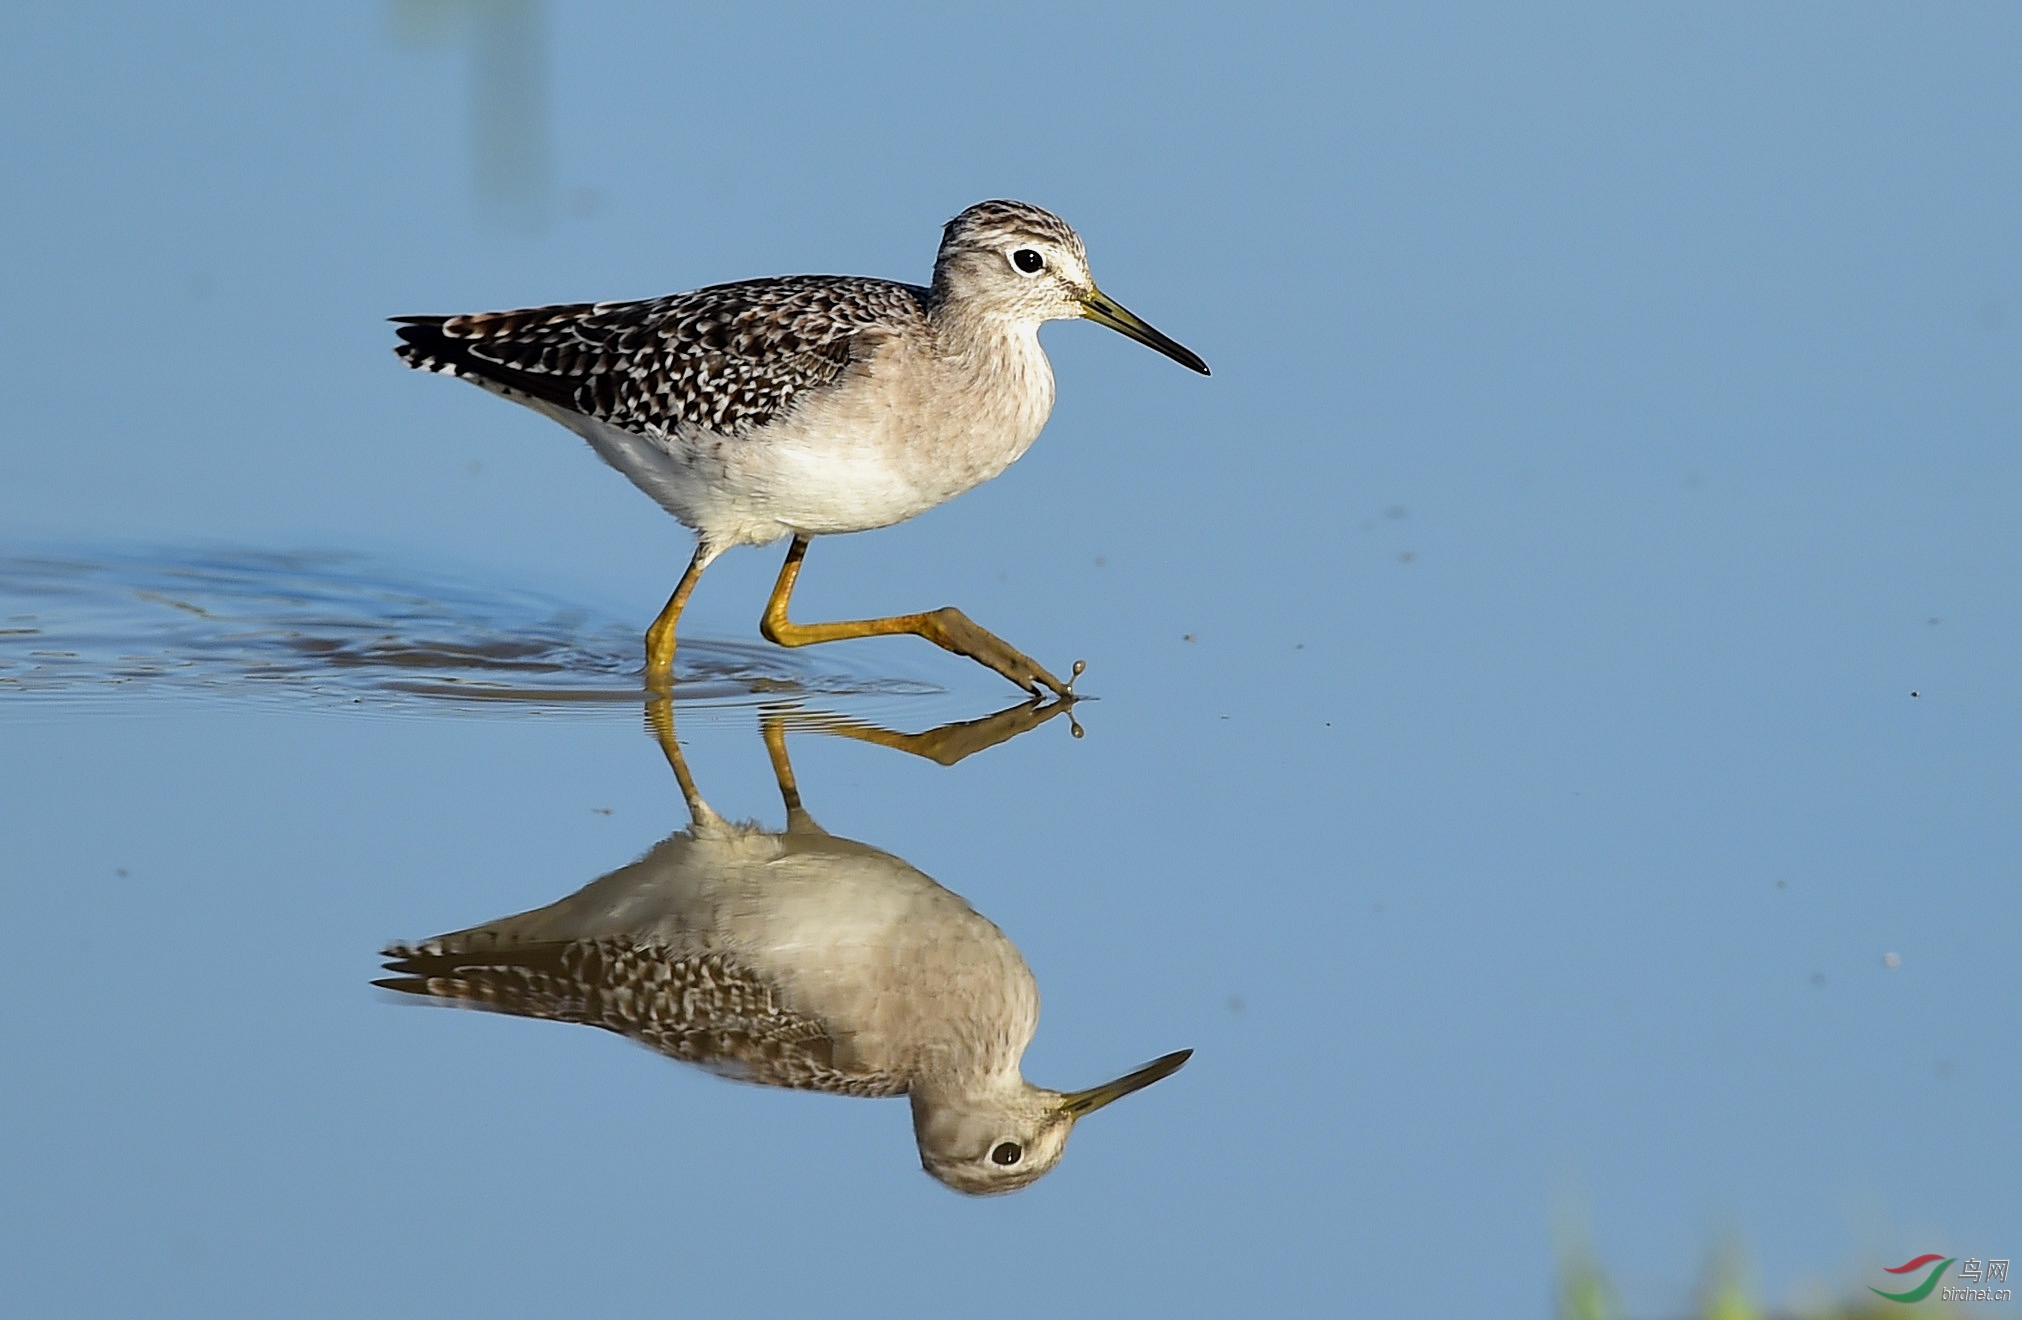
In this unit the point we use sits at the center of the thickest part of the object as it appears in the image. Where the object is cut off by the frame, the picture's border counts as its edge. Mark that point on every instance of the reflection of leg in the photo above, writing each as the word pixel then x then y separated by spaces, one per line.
pixel 660 715
pixel 952 742
pixel 660 637
pixel 947 628
pixel 773 726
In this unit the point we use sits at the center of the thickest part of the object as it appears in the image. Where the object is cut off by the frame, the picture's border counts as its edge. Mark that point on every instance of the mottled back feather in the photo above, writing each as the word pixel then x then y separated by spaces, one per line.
pixel 724 359
pixel 699 1008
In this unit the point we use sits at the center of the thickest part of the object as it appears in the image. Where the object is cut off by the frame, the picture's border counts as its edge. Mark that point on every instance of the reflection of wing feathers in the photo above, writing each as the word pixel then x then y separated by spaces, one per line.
pixel 701 1008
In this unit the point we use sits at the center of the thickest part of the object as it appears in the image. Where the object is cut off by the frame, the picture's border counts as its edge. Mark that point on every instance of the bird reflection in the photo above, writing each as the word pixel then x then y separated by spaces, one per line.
pixel 799 959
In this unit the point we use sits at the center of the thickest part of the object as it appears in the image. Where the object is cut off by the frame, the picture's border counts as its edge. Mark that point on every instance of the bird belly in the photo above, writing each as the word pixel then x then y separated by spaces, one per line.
pixel 824 479
pixel 690 477
pixel 882 450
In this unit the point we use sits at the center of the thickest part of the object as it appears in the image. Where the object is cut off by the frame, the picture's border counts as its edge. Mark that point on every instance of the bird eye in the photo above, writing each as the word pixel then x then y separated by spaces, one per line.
pixel 1029 262
pixel 1007 1152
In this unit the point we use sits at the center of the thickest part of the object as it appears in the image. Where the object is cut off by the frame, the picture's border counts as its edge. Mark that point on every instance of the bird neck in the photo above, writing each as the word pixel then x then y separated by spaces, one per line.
pixel 943 1105
pixel 996 349
pixel 962 327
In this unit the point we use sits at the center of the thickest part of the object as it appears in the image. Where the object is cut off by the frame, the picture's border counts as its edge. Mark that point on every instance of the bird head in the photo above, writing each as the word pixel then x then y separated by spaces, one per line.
pixel 1016 261
pixel 1004 1137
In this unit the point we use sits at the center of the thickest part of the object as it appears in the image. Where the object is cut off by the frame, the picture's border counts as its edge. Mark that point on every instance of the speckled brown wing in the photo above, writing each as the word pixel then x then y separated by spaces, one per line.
pixel 726 359
pixel 702 1009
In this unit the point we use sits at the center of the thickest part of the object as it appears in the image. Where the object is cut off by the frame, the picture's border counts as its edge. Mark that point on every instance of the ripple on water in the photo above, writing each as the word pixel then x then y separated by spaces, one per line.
pixel 85 625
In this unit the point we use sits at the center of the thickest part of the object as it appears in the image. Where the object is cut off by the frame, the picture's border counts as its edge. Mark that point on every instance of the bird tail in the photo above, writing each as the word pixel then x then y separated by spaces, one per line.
pixel 543 980
pixel 516 353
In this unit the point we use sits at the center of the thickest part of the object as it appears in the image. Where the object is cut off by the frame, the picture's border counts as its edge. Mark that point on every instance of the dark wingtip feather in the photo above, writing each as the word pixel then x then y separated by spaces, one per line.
pixel 419 333
pixel 424 345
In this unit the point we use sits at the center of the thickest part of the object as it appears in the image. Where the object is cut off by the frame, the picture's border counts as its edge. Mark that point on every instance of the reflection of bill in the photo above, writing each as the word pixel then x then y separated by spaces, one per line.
pixel 508 96
pixel 793 959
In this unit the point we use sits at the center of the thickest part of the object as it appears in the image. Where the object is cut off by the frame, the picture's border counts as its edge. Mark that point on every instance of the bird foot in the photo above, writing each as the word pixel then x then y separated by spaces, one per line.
pixel 955 631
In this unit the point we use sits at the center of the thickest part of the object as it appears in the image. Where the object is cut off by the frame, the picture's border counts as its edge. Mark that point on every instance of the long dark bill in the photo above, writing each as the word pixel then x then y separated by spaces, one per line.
pixel 1082 1103
pixel 1100 307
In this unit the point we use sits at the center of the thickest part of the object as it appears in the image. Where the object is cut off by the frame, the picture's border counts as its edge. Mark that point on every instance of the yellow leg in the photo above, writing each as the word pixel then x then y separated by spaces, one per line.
pixel 947 628
pixel 660 637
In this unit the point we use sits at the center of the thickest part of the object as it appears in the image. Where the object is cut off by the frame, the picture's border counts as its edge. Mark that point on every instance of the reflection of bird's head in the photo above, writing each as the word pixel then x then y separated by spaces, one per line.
pixel 1002 1138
